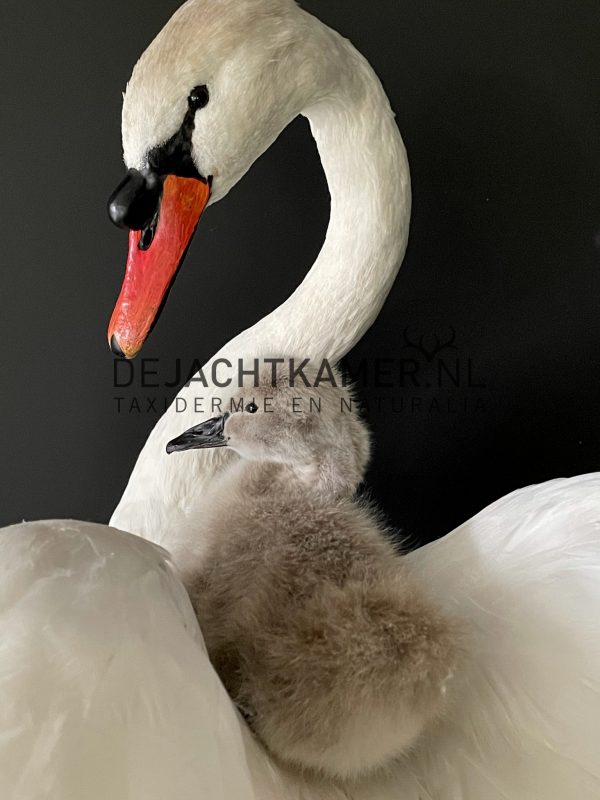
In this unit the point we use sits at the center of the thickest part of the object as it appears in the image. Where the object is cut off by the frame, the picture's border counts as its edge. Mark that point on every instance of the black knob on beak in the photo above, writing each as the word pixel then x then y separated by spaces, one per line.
pixel 135 201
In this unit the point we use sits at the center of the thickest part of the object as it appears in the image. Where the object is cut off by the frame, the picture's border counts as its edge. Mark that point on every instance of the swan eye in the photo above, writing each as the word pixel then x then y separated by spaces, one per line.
pixel 198 98
pixel 252 408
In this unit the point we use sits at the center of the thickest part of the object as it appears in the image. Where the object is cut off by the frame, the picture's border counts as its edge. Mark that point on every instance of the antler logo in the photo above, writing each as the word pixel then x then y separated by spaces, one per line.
pixel 430 353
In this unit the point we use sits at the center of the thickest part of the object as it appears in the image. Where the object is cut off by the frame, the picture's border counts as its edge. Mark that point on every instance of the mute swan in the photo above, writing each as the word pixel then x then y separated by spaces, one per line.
pixel 209 95
pixel 308 614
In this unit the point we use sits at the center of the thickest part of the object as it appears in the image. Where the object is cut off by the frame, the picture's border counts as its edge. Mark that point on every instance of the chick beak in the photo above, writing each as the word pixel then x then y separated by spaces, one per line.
pixel 200 437
pixel 155 253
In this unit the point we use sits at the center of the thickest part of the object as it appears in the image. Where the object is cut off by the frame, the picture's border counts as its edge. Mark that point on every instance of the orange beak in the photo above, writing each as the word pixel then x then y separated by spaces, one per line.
pixel 150 272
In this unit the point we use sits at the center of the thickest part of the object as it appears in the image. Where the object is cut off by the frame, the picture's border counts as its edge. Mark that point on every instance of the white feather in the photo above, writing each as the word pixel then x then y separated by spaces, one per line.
pixel 105 687
pixel 106 690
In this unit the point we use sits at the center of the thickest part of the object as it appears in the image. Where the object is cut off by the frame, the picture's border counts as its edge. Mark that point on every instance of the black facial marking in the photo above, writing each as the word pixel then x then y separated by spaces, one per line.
pixel 198 98
pixel 135 203
pixel 175 156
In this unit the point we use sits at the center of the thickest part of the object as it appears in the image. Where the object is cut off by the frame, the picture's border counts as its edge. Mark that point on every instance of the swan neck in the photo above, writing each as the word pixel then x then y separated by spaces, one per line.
pixel 367 173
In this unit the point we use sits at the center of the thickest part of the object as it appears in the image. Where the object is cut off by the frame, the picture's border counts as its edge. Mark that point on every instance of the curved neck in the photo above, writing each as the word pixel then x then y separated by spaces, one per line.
pixel 368 177
pixel 369 182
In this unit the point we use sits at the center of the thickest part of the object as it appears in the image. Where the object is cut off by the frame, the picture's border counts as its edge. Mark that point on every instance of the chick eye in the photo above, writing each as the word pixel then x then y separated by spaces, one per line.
pixel 252 408
pixel 198 98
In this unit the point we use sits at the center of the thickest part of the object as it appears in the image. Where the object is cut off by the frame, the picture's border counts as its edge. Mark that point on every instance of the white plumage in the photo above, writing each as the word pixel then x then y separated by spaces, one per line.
pixel 106 690
pixel 105 687
pixel 523 575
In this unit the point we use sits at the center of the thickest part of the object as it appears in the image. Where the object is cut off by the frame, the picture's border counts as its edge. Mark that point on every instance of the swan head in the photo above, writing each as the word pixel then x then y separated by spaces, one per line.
pixel 206 99
pixel 307 424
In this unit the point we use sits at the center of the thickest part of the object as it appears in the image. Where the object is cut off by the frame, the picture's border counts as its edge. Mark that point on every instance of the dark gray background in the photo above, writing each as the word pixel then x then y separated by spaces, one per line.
pixel 498 102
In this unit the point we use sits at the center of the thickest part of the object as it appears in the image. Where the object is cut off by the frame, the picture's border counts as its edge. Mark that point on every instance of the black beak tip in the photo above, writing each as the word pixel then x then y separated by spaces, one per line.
pixel 114 346
pixel 179 444
pixel 174 446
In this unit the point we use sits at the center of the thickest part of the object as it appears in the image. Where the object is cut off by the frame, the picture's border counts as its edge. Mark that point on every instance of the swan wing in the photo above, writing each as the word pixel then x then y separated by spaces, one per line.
pixel 524 577
pixel 105 687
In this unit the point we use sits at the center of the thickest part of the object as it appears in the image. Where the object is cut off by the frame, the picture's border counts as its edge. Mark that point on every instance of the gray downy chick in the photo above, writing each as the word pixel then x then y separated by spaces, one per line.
pixel 329 650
